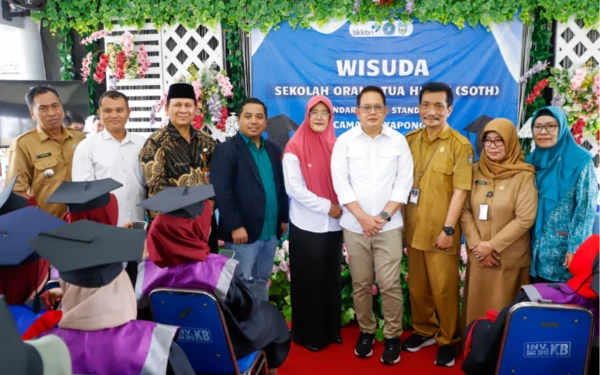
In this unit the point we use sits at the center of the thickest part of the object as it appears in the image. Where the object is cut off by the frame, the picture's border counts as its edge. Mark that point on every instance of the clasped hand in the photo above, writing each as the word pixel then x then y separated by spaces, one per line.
pixel 371 225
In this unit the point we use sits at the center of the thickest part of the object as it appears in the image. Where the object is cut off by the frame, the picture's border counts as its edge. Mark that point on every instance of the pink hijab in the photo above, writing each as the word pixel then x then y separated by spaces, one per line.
pixel 314 152
pixel 92 309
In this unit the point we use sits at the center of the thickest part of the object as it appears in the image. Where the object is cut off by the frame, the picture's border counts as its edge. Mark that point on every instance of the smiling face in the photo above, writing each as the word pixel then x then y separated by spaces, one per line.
pixel 545 131
pixel 252 121
pixel 47 111
pixel 434 109
pixel 494 148
pixel 114 113
pixel 181 111
pixel 319 117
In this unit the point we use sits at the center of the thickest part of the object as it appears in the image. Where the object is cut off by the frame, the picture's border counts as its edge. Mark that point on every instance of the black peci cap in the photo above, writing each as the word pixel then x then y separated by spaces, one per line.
pixel 181 90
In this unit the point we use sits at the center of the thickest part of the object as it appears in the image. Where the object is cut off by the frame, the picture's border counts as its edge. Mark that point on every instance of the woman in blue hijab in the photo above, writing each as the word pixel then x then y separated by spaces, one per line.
pixel 568 194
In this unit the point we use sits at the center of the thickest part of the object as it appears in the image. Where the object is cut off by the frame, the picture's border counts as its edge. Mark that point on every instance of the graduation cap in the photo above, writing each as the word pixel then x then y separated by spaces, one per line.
pixel 84 195
pixel 181 90
pixel 186 202
pixel 10 201
pixel 18 227
pixel 279 128
pixel 595 278
pixel 16 357
pixel 89 254
pixel 476 127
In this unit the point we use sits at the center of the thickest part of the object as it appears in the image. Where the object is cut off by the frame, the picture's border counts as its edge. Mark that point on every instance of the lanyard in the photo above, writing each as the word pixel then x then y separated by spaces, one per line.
pixel 421 171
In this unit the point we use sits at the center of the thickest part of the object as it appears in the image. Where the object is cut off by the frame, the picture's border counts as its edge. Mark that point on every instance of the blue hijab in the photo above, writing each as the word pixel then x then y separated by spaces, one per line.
pixel 557 167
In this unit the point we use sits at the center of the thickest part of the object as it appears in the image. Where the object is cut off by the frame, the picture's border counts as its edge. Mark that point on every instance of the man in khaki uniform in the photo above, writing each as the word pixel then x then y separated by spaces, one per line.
pixel 42 157
pixel 443 162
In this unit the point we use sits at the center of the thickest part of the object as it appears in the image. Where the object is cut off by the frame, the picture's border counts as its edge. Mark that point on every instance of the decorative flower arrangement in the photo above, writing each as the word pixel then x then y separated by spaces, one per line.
pixel 212 88
pixel 537 91
pixel 122 58
pixel 279 287
pixel 577 92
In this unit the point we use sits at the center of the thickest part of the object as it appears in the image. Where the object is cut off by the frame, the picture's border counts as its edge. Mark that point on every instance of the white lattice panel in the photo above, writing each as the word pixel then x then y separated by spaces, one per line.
pixel 575 44
pixel 142 92
pixel 170 51
pixel 183 47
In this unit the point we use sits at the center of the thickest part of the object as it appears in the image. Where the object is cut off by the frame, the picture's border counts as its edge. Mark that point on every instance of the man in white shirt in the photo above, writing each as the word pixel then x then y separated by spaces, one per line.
pixel 372 170
pixel 113 153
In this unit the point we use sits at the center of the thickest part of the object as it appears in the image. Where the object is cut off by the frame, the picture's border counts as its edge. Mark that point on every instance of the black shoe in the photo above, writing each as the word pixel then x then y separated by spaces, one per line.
pixel 364 345
pixel 445 356
pixel 415 342
pixel 391 353
pixel 338 340
pixel 312 348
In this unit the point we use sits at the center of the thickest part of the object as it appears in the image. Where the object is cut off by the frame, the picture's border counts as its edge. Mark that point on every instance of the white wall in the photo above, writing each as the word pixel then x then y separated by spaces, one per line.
pixel 21 55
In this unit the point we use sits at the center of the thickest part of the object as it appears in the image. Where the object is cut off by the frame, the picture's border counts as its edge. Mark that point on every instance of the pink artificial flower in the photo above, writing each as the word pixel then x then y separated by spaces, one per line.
pixel 596 86
pixel 269 283
pixel 581 73
pixel 347 258
pixel 576 82
pixel 95 36
pixel 406 251
pixel 374 289
pixel 225 84
pixel 275 269
pixel 85 67
pixel 289 276
pixel 463 254
pixel 221 243
pixel 283 266
pixel 143 63
pixel 127 44
pixel 462 291
pixel 197 88
pixel 406 278
pixel 462 275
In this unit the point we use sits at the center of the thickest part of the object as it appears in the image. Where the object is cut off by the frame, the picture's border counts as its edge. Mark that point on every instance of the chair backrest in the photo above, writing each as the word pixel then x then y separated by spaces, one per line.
pixel 541 338
pixel 203 334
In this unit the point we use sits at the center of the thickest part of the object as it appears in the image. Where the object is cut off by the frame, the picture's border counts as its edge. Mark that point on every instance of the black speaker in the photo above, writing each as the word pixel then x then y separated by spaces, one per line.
pixel 30 4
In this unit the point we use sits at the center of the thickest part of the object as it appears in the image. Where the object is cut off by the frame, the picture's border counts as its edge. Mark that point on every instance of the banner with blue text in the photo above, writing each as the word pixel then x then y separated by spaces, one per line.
pixel 338 59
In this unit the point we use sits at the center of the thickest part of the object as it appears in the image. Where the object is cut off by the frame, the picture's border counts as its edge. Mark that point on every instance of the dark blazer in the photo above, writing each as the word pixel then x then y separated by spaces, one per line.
pixel 240 195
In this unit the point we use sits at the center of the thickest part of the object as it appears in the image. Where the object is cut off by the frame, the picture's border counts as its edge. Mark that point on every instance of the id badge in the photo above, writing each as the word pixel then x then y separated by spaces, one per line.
pixel 414 196
pixel 483 211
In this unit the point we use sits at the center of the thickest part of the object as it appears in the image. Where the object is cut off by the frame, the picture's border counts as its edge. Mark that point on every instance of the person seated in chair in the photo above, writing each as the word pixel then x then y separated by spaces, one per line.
pixel 23 274
pixel 179 257
pixel 485 334
pixel 46 356
pixel 98 322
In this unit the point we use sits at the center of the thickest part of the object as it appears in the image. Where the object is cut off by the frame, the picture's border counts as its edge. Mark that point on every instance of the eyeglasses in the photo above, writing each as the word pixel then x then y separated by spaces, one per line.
pixel 498 142
pixel 323 114
pixel 367 108
pixel 550 128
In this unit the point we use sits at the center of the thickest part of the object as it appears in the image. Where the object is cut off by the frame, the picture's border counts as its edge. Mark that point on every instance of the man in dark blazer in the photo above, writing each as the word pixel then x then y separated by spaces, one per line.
pixel 247 175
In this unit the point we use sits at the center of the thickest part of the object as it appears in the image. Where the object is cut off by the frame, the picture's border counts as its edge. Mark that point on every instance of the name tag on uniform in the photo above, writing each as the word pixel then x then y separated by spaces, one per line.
pixel 44 155
pixel 479 182
pixel 414 196
pixel 483 211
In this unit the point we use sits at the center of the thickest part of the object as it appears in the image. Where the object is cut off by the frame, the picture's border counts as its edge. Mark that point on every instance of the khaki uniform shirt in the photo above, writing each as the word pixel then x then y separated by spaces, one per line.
pixel 512 209
pixel 450 169
pixel 34 153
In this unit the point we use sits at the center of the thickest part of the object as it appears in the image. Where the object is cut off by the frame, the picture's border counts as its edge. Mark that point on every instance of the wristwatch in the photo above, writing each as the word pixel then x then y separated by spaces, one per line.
pixel 449 231
pixel 385 216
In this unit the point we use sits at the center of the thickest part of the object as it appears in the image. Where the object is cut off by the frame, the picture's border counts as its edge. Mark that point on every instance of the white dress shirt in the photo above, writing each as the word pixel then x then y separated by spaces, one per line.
pixel 308 211
pixel 102 156
pixel 372 171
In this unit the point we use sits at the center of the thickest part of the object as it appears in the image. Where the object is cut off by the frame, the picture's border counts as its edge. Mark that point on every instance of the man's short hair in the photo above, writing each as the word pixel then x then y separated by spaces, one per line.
pixel 370 89
pixel 437 87
pixel 39 90
pixel 251 101
pixel 71 117
pixel 113 94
